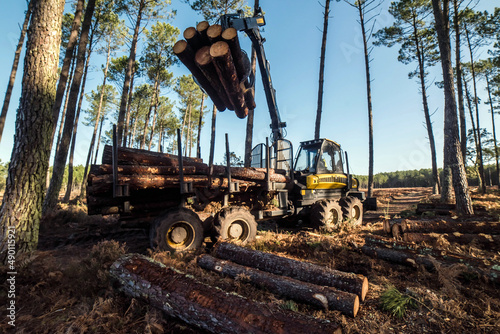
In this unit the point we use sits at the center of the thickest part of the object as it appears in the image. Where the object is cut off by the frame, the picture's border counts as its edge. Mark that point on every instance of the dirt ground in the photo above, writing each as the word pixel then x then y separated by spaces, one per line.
pixel 64 287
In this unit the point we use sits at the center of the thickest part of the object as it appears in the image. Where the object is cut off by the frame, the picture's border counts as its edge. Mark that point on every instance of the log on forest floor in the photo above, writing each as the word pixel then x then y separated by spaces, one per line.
pixel 443 226
pixel 484 241
pixel 322 297
pixel 436 261
pixel 303 271
pixel 206 307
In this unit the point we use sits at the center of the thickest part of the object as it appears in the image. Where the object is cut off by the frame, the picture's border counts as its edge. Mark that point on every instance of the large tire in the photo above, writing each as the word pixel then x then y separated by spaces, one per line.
pixel 326 215
pixel 177 230
pixel 352 210
pixel 235 224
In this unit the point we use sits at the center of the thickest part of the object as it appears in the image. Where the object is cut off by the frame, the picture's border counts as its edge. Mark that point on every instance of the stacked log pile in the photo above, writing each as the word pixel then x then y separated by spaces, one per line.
pixel 484 234
pixel 411 254
pixel 153 180
pixel 211 309
pixel 300 281
pixel 218 64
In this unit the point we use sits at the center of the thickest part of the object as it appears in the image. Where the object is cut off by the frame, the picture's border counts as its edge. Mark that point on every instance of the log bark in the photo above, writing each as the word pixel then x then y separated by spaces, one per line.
pixel 132 156
pixel 194 38
pixel 103 183
pixel 444 226
pixel 224 65
pixel 241 61
pixel 409 258
pixel 186 55
pixel 198 304
pixel 204 62
pixel 303 271
pixel 138 170
pixel 319 296
pixel 485 241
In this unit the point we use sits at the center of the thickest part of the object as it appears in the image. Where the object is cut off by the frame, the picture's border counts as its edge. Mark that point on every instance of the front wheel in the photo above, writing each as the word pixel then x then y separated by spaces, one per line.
pixel 176 231
pixel 326 215
pixel 236 224
pixel 352 209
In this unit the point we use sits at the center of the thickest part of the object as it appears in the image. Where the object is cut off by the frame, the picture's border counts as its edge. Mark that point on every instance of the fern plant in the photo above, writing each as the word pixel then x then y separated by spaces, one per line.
pixel 395 302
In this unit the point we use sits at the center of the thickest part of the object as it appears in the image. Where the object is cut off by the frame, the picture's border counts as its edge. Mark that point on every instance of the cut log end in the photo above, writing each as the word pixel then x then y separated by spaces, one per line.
pixel 396 231
pixel 387 227
pixel 180 46
pixel 190 33
pixel 356 306
pixel 241 113
pixel 364 291
pixel 219 49
pixel 229 34
pixel 214 31
pixel 202 26
pixel 203 56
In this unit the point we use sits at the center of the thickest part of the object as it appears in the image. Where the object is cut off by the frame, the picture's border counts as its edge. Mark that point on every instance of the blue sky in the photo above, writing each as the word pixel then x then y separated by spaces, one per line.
pixel 293 34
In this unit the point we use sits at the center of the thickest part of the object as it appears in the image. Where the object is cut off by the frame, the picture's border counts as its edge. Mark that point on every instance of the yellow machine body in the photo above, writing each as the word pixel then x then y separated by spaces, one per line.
pixel 326 181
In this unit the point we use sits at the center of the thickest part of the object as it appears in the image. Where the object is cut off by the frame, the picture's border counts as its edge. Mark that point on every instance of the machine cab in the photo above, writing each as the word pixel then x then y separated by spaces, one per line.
pixel 319 156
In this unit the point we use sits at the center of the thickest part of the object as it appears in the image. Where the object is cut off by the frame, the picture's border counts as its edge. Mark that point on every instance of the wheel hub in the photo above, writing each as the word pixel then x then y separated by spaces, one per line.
pixel 235 231
pixel 178 234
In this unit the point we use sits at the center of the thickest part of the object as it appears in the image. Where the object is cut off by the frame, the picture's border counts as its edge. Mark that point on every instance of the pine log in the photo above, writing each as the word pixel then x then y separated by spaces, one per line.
pixel 485 241
pixel 242 65
pixel 444 209
pixel 303 271
pixel 319 296
pixel 194 38
pixel 132 156
pixel 410 258
pixel 186 55
pixel 376 240
pixel 387 225
pixel 103 183
pixel 204 61
pixel 444 226
pixel 202 28
pixel 211 309
pixel 134 169
pixel 396 231
pixel 249 94
pixel 227 73
pixel 214 33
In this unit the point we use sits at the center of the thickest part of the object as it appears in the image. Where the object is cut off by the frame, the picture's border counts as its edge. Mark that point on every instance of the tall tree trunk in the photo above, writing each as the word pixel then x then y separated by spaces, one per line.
pixel 128 74
pixel 129 107
pixel 13 71
pixel 200 120
pixel 133 132
pixel 96 125
pixel 452 151
pixel 160 140
pixel 369 99
pixel 63 77
pixel 21 212
pixel 154 122
pixel 460 91
pixel 98 140
pixel 62 153
pixel 479 152
pixel 492 109
pixel 63 116
pixel 146 122
pixel 69 185
pixel 212 137
pixel 322 69
pixel 428 123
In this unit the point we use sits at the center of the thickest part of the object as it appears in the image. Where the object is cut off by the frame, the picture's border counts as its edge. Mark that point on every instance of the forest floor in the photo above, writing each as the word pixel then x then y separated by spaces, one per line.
pixel 64 287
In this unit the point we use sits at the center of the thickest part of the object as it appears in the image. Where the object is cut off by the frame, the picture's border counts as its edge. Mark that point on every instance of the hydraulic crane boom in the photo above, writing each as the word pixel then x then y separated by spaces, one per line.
pixel 250 25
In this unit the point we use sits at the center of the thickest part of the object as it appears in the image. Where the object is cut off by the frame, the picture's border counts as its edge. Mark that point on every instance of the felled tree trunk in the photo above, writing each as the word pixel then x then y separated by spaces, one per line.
pixel 131 156
pixel 444 226
pixel 409 258
pixel 319 296
pixel 303 271
pixel 206 307
pixel 483 240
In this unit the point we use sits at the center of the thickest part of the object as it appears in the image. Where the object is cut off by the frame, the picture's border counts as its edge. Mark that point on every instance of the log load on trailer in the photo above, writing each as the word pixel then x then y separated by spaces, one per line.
pixel 184 199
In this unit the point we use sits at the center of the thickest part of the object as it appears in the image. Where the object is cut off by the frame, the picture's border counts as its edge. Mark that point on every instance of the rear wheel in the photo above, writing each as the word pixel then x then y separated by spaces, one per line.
pixel 352 210
pixel 176 231
pixel 236 224
pixel 326 215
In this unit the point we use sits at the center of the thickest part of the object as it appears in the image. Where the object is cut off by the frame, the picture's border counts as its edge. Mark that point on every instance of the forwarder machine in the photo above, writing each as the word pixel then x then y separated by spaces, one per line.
pixel 319 191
